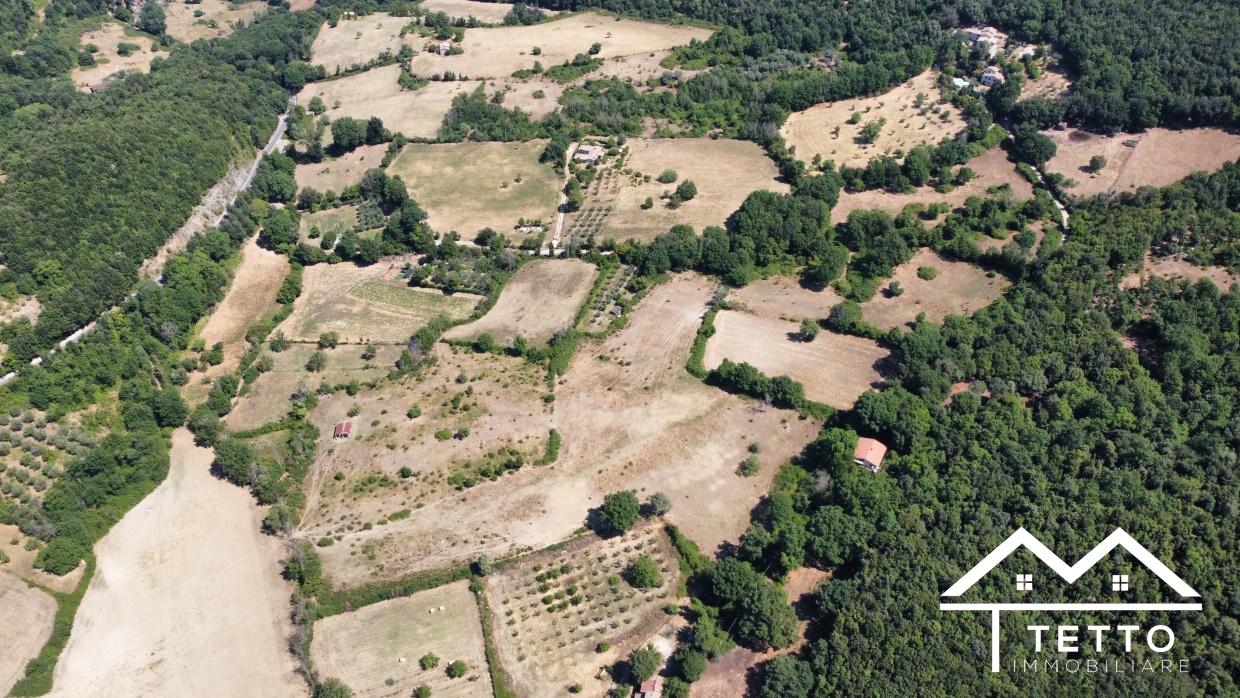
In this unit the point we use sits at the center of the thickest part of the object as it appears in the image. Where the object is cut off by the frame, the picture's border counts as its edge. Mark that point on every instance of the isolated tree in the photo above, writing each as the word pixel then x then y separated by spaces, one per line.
pixel 595 48
pixel 61 556
pixel 329 340
pixel 458 669
pixel 429 661
pixel 686 190
pixel 643 573
pixel 872 130
pixel 1097 162
pixel 317 106
pixel 619 512
pixel 659 504
pixel 317 362
pixel 667 177
pixel 348 133
pixel 692 664
pixel 645 663
pixel 422 691
pixel 152 20
pixel 375 132
pixel 809 329
pixel 333 688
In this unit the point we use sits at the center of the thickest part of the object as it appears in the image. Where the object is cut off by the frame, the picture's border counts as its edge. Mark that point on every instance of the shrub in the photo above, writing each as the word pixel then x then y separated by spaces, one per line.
pixel 667 177
pixel 457 669
pixel 927 273
pixel 333 688
pixel 659 504
pixel 602 647
pixel 643 573
pixel 749 466
pixel 1097 162
pixel 414 412
pixel 809 329
pixel 326 542
pixel 443 434
pixel 406 472
pixel 422 691
pixel 686 190
pixel 429 661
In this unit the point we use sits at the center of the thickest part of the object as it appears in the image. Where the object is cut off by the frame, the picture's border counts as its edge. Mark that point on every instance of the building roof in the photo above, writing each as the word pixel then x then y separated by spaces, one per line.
pixel 343 429
pixel 589 152
pixel 870 451
pixel 651 688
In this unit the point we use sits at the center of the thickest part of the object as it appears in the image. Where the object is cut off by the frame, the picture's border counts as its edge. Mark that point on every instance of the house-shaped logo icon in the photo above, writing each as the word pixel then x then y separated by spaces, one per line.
pixel 1024 582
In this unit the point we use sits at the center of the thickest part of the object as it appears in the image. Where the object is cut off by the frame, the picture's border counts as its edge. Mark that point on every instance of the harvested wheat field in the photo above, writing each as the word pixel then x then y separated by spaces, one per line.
pixel 993 169
pixel 538 301
pixel 783 298
pixel 834 368
pixel 385 641
pixel 634 420
pixel 498 52
pixel 25 625
pixel 187 598
pixel 108 62
pixel 353 42
pixel 416 114
pixel 724 172
pixel 1177 268
pixel 811 131
pixel 367 304
pixel 251 297
pixel 488 12
pixel 1160 157
pixel 184 26
pixel 338 173
pixel 470 186
pixel 547 647
pixel 959 288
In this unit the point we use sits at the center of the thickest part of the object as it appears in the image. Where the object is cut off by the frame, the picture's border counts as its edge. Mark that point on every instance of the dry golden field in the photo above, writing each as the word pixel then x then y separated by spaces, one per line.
pixel 26 615
pixel 959 289
pixel 184 26
pixel 251 296
pixel 356 41
pixel 538 301
pixel 107 38
pixel 335 175
pixel 783 298
pixel 1161 157
pixel 416 114
pixel 488 12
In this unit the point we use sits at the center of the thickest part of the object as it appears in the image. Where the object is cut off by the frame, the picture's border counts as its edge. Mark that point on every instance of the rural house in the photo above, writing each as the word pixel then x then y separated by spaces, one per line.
pixel 869 454
pixel 342 430
pixel 589 154
pixel 651 688
pixel 994 39
pixel 992 76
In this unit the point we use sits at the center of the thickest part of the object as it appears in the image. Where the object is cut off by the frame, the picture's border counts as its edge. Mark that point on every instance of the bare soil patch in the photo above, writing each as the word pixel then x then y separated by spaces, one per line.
pixel 108 61
pixel 462 185
pixel 636 421
pixel 1161 157
pixel 1175 268
pixel 547 647
pixel 251 296
pixel 417 114
pixel 340 172
pixel 25 624
pixel 186 584
pixel 783 298
pixel 367 304
pixel 383 641
pixel 960 289
pixel 489 12
pixel 184 26
pixel 812 131
pixel 835 369
pixel 499 51
pixel 538 301
pixel 355 41
pixel 993 169
pixel 724 171
pixel 24 306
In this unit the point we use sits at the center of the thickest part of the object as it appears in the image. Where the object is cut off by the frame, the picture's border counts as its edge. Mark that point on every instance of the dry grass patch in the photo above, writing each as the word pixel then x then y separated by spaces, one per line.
pixel 546 646
pixel 462 185
pixel 811 131
pixel 1176 268
pixel 338 173
pixel 959 288
pixel 417 114
pixel 488 12
pixel 356 41
pixel 366 304
pixel 21 563
pixel 835 369
pixel 519 94
pixel 993 169
pixel 330 222
pixel 385 641
pixel 108 60
pixel 251 296
pixel 498 52
pixel 538 301
pixel 724 171
pixel 25 624
pixel 636 421
pixel 1161 157
pixel 783 298
pixel 184 26
pixel 23 306
pixel 187 583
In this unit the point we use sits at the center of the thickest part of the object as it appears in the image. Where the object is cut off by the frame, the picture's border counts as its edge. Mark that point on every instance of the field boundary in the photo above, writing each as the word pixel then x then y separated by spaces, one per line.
pixel 38 678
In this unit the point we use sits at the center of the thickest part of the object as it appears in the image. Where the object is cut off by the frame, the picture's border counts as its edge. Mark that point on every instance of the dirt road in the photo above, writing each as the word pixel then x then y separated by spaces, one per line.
pixel 187 599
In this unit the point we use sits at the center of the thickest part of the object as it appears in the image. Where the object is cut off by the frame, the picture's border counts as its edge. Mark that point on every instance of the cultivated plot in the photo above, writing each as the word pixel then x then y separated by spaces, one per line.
pixel 498 52
pixel 538 301
pixel 338 173
pixel 1155 158
pixel 417 113
pixel 488 12
pixel 834 368
pixel 628 417
pixel 724 172
pixel 470 186
pixel 552 610
pixel 353 42
pixel 959 288
pixel 384 642
pixel 25 625
pixel 813 132
pixel 208 19
pixel 367 304
pixel 251 296
pixel 186 584
pixel 108 60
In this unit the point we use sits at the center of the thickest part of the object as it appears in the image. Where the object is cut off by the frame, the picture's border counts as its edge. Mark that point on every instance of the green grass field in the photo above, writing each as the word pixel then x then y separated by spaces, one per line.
pixel 406 298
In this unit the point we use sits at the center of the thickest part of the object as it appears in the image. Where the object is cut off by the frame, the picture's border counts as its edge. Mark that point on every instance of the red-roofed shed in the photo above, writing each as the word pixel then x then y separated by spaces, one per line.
pixel 869 454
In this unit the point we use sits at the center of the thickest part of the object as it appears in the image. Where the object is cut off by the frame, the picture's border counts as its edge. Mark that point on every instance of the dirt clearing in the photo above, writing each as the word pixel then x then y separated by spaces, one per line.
pixel 498 52
pixel 834 368
pixel 336 174
pixel 1160 157
pixel 488 12
pixel 366 304
pixel 353 42
pixel 384 641
pixel 186 586
pixel 108 59
pixel 416 114
pixel 25 626
pixel 23 306
pixel 724 172
pixel 219 18
pixel 470 186
pixel 538 301
pixel 250 298
pixel 959 289
pixel 1174 268
pixel 812 131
